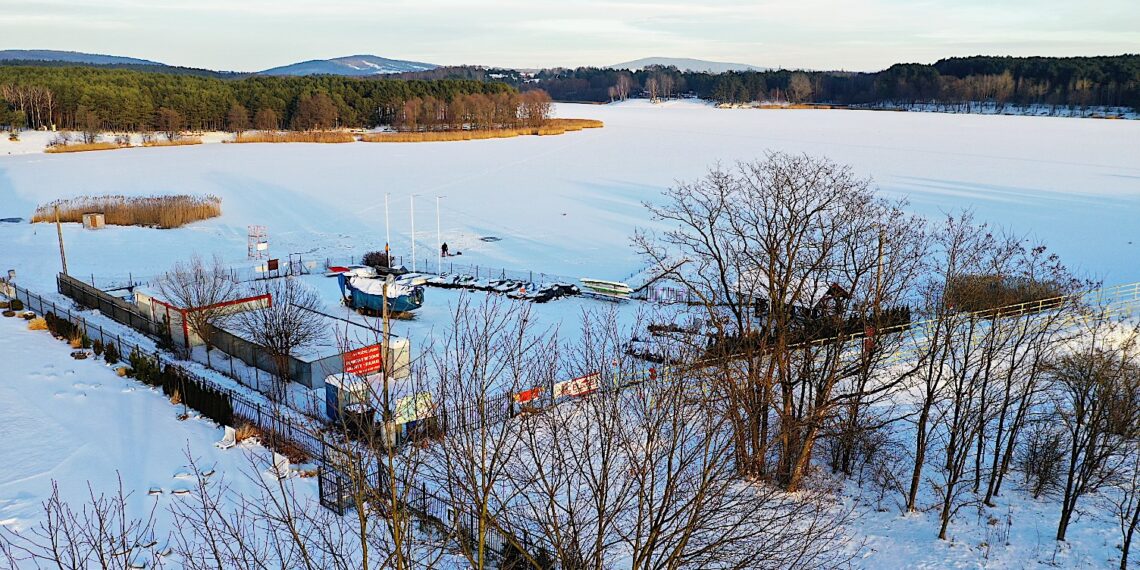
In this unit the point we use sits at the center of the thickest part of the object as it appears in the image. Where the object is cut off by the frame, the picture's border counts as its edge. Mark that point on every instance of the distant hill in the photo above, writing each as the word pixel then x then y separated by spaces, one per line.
pixel 353 65
pixel 686 64
pixel 70 57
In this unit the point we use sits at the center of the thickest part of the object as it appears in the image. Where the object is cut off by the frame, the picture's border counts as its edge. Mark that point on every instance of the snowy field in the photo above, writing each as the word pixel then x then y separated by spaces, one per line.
pixel 77 422
pixel 565 205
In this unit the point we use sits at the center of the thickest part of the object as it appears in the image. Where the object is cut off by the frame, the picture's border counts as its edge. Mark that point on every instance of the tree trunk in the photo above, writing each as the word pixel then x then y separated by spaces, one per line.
pixel 919 457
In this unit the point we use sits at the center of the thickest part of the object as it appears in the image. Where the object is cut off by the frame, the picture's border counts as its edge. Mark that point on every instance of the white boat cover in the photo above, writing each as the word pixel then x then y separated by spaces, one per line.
pixel 376 287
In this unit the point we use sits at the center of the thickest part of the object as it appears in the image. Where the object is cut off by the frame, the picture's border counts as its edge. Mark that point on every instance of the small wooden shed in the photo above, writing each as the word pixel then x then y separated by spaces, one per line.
pixel 93 221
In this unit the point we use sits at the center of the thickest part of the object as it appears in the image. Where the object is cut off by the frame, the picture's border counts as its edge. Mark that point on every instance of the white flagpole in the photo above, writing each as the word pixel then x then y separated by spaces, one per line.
pixel 413 197
pixel 438 240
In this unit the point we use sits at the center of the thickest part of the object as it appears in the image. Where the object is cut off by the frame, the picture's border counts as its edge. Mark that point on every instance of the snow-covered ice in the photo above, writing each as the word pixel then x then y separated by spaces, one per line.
pixel 568 204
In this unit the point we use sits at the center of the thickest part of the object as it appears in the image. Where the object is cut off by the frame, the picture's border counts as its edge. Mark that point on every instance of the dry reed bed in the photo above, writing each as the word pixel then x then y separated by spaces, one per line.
pixel 185 141
pixel 148 211
pixel 82 147
pixel 552 127
pixel 296 137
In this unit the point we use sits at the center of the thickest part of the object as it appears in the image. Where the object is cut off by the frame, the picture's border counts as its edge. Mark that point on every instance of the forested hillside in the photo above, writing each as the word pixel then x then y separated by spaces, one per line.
pixel 116 99
pixel 107 98
pixel 1079 81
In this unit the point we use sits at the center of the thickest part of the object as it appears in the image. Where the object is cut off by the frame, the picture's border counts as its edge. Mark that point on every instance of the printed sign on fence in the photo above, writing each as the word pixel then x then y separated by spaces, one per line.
pixel 528 395
pixel 363 361
pixel 578 387
pixel 411 408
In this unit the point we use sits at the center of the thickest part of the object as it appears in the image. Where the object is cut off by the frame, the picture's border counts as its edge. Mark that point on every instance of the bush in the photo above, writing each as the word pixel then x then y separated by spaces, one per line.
pixel 376 259
pixel 62 328
pixel 37 324
pixel 982 293
pixel 16 305
pixel 246 431
pixel 1042 457
pixel 97 348
pixel 9 313
pixel 111 354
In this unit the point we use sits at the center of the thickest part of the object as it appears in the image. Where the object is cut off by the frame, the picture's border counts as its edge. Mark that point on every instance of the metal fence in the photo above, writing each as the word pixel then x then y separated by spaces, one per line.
pixel 113 307
pixel 271 422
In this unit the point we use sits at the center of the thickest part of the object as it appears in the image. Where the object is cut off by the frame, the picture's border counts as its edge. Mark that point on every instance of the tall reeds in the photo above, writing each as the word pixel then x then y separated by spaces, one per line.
pixel 550 127
pixel 295 137
pixel 149 211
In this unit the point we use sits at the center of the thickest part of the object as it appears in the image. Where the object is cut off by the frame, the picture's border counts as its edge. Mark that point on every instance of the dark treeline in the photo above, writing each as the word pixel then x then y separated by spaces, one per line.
pixel 109 98
pixel 85 98
pixel 1075 81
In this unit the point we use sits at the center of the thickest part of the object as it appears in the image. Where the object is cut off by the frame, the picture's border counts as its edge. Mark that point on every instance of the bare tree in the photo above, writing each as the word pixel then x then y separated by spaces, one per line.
pixel 237 119
pixel 1095 400
pixel 90 122
pixel 205 291
pixel 570 474
pixel 666 85
pixel 799 88
pixel 959 244
pixel 688 508
pixel 622 86
pixel 266 119
pixel 169 122
pixel 100 534
pixel 652 87
pixel 291 322
pixel 492 352
pixel 1126 502
pixel 784 255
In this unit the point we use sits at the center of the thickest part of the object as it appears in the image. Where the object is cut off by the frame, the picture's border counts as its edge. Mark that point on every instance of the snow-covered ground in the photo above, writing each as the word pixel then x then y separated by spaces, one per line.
pixel 566 205
pixel 77 422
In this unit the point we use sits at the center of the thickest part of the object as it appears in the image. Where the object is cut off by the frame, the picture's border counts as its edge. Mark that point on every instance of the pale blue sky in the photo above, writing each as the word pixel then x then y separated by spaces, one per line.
pixel 248 35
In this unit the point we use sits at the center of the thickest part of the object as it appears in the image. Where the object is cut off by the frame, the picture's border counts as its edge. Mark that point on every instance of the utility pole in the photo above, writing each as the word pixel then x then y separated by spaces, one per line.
pixel 879 277
pixel 59 234
pixel 387 367
pixel 387 233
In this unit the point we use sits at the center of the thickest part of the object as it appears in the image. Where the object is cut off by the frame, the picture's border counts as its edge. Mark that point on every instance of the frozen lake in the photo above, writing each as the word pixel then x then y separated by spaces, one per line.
pixel 568 204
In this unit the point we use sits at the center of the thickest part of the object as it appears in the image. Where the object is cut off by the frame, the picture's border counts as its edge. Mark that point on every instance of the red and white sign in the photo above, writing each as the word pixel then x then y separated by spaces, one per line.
pixel 579 386
pixel 364 361
pixel 528 395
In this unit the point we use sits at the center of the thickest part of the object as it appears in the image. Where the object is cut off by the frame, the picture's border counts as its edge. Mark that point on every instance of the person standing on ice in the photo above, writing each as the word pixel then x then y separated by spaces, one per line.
pixel 443 249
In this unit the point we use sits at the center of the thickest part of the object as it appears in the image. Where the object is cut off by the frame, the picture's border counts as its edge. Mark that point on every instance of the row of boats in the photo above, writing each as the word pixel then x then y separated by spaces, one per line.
pixel 364 288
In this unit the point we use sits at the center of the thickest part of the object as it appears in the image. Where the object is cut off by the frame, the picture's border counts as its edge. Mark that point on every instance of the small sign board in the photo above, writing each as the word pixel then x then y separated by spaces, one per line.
pixel 528 396
pixel 578 387
pixel 273 264
pixel 364 361
pixel 411 408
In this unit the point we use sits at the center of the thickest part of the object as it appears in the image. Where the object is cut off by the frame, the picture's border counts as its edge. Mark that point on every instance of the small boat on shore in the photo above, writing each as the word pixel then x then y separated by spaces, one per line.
pixel 603 287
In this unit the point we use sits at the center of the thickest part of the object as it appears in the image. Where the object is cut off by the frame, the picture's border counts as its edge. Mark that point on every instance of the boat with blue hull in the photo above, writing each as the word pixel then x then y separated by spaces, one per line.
pixel 366 295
